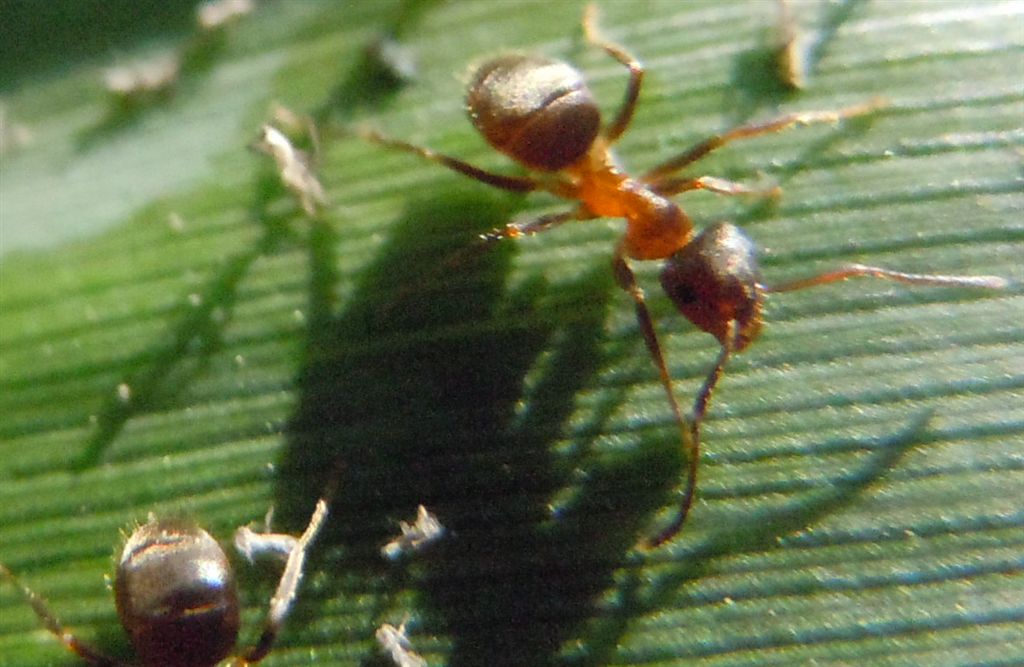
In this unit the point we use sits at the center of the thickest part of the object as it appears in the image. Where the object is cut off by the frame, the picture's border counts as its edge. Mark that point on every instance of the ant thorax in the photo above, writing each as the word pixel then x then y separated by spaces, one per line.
pixel 656 226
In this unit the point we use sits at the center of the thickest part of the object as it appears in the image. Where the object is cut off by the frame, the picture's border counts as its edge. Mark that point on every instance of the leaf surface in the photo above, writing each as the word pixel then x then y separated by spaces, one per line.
pixel 176 338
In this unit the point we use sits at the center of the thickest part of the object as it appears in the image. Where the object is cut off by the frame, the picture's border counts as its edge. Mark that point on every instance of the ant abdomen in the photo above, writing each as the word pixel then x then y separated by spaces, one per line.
pixel 537 111
pixel 715 282
pixel 176 595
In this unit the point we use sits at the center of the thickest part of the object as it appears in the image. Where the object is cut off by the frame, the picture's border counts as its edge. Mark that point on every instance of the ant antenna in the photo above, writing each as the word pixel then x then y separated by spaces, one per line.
pixel 56 628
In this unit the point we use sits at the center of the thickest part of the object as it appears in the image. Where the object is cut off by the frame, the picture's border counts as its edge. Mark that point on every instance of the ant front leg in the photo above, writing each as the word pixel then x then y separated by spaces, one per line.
pixel 510 183
pixel 636 74
pixel 657 177
pixel 667 187
pixel 514 230
pixel 56 628
pixel 687 430
pixel 288 586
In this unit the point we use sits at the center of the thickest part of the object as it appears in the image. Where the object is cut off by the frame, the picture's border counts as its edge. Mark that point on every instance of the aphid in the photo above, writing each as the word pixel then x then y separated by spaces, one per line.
pixel 392 59
pixel 790 49
pixel 13 135
pixel 216 14
pixel 395 643
pixel 143 81
pixel 540 113
pixel 294 167
pixel 294 124
pixel 177 600
pixel 415 537
pixel 251 544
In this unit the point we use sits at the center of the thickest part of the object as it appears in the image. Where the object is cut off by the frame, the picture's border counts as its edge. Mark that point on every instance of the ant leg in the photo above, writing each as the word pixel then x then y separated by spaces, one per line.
pixel 859 270
pixel 700 408
pixel 510 183
pixel 687 431
pixel 636 74
pixel 514 230
pixel 51 623
pixel 658 173
pixel 673 186
pixel 469 252
pixel 288 586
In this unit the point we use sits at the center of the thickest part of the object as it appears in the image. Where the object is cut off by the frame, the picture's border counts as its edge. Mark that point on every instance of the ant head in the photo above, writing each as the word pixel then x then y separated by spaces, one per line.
pixel 176 595
pixel 537 111
pixel 715 281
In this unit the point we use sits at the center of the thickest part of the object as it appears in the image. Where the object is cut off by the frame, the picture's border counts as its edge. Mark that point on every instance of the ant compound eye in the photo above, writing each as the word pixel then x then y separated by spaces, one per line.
pixel 715 281
pixel 537 111
pixel 176 595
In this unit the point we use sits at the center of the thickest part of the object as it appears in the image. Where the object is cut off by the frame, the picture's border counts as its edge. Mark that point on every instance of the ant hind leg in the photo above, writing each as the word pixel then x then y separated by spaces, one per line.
pixel 700 407
pixel 688 430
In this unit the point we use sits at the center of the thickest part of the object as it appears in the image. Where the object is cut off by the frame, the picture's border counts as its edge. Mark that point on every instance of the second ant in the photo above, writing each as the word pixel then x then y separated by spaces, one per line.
pixel 540 112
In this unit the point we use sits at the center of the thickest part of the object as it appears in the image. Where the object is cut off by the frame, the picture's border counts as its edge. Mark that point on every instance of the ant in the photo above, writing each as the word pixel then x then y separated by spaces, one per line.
pixel 540 112
pixel 176 595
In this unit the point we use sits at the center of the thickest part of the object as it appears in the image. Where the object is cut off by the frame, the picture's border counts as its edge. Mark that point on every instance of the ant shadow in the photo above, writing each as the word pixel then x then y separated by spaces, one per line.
pixel 425 388
pixel 452 392
pixel 756 532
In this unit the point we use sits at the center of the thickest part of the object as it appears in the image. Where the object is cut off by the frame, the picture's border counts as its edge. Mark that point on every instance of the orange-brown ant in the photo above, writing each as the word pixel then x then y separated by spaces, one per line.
pixel 176 596
pixel 540 113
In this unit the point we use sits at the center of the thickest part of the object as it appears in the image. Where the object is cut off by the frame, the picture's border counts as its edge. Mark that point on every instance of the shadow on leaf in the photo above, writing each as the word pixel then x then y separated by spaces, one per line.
pixel 447 390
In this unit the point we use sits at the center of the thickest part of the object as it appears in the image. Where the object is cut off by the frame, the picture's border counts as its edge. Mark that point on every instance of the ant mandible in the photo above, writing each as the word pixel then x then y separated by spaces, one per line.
pixel 176 595
pixel 540 113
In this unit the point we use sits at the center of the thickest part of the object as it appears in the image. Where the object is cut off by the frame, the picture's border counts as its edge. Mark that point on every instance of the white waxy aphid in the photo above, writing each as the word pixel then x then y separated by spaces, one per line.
pixel 252 545
pixel 292 549
pixel 293 167
pixel 395 643
pixel 13 135
pixel 216 14
pixel 151 76
pixel 415 536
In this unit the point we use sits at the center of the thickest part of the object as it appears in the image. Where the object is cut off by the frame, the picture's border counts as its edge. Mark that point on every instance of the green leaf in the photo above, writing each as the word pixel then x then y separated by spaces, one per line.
pixel 177 338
